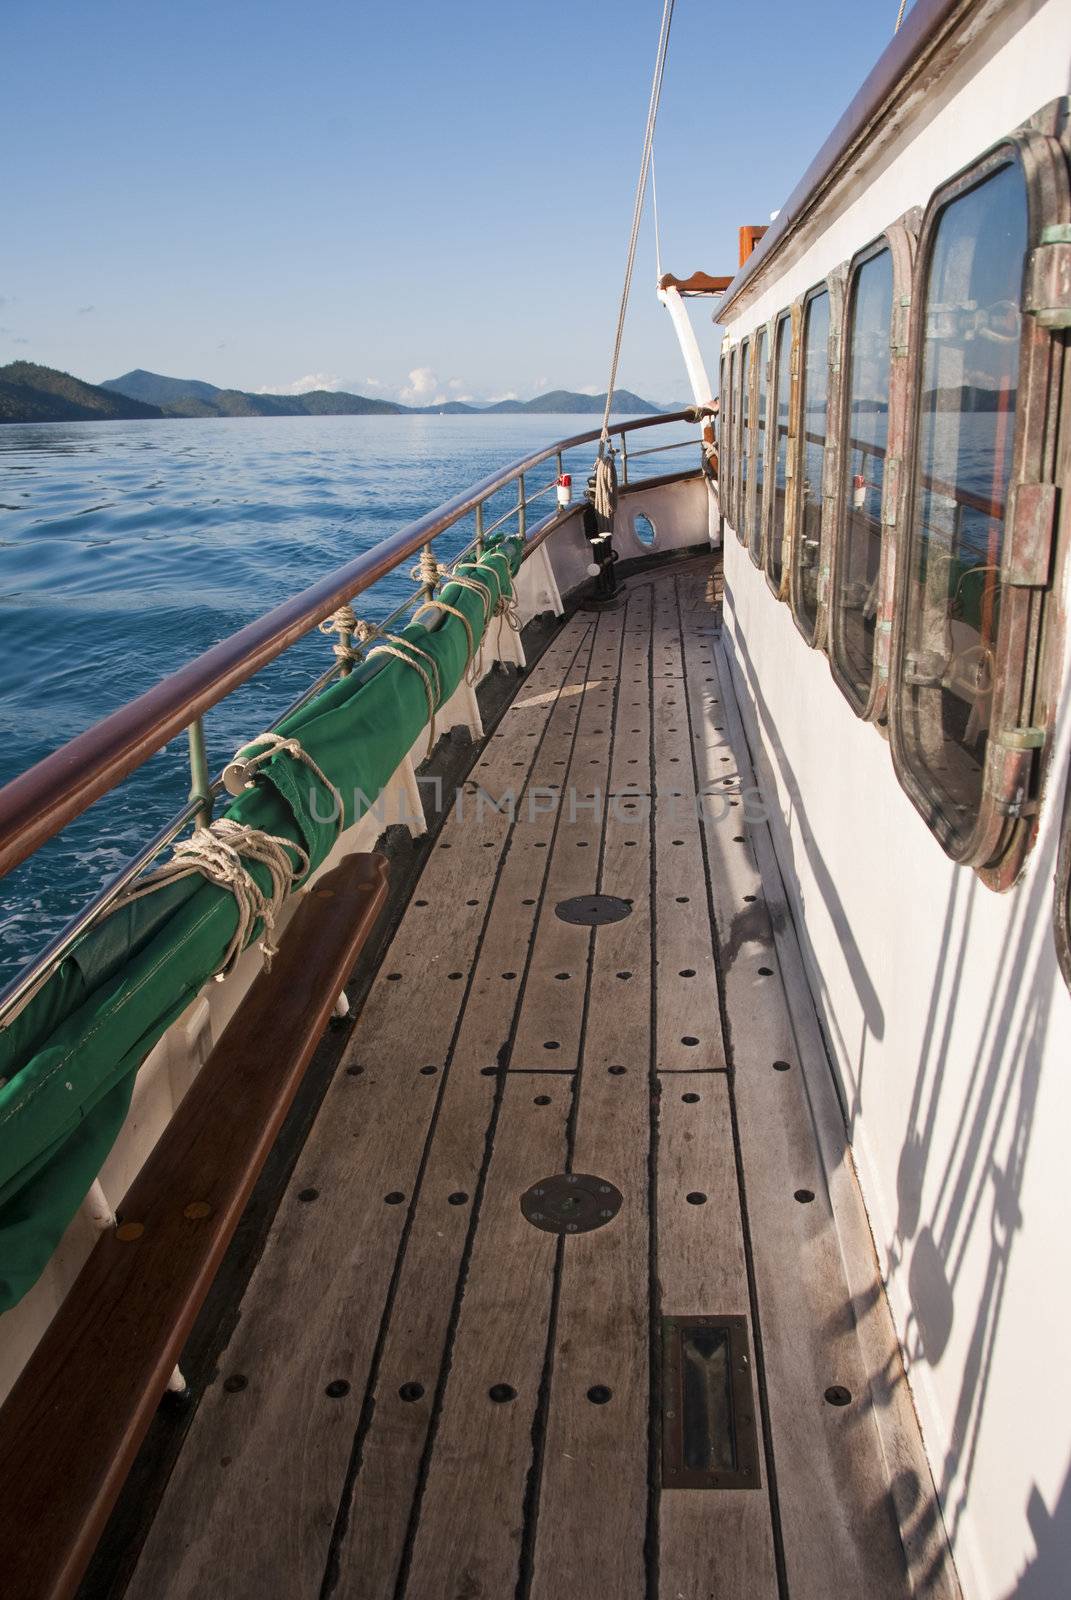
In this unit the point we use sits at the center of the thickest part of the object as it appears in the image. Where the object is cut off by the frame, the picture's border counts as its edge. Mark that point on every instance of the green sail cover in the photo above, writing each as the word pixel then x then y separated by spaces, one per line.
pixel 69 1059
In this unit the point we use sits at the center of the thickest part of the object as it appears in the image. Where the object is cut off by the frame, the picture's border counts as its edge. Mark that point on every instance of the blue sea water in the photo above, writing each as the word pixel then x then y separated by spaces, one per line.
pixel 126 549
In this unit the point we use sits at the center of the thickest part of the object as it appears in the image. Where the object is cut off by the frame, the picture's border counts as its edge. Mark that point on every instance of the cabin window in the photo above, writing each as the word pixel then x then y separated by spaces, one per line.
pixel 744 448
pixel 728 424
pixel 782 394
pixel 952 591
pixel 857 567
pixel 754 506
pixel 722 435
pixel 643 528
pixel 814 406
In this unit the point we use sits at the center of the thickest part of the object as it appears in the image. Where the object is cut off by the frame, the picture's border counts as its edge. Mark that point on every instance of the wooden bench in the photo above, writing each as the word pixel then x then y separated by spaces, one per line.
pixel 74 1422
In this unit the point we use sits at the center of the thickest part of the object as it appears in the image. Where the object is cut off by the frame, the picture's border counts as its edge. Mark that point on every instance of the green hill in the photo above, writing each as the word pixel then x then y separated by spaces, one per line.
pixel 30 393
pixel 566 402
pixel 191 397
pixel 152 389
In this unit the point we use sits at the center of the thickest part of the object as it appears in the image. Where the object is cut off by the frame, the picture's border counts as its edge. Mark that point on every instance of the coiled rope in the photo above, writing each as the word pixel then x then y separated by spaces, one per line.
pixel 219 853
pixel 344 623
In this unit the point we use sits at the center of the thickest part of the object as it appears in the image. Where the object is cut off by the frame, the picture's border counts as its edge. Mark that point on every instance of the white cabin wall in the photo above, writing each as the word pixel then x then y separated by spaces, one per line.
pixel 950 1028
pixel 946 1015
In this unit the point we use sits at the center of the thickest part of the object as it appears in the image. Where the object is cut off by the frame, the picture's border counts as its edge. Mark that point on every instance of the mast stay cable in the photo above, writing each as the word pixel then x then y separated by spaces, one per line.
pixel 603 468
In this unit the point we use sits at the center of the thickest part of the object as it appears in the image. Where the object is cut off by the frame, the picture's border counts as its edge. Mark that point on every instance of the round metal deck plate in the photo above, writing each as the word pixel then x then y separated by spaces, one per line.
pixel 592 910
pixel 571 1202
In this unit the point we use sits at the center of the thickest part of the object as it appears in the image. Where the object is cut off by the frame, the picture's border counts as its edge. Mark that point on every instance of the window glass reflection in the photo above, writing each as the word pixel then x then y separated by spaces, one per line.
pixel 754 510
pixel 782 396
pixel 966 417
pixel 814 376
pixel 855 605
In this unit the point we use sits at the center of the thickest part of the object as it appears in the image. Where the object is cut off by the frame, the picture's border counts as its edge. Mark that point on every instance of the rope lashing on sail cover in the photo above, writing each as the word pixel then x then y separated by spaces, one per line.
pixel 265 745
pixel 504 607
pixel 605 479
pixel 219 853
pixel 396 645
pixel 344 623
pixel 428 573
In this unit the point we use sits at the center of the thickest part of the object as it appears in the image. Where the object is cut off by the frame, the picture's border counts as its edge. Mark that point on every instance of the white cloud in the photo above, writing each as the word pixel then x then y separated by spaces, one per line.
pixel 305 385
pixel 510 394
pixel 421 387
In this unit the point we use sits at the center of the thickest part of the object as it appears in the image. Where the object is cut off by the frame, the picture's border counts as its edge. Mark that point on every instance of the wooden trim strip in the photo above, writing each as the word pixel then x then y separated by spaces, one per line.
pixel 75 1420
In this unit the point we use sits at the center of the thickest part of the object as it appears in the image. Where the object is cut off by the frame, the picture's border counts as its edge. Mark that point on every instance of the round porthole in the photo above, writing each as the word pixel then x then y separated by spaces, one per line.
pixel 643 528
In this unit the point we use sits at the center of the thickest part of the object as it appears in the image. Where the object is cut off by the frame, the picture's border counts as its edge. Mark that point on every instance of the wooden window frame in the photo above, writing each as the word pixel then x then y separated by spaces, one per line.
pixel 754 517
pixel 833 285
pixel 789 317
pixel 728 437
pixel 1029 636
pixel 723 446
pixel 743 392
pixel 900 240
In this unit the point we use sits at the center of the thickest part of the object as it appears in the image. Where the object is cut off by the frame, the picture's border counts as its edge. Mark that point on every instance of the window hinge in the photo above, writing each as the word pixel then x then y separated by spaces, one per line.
pixel 1031 518
pixel 1021 738
pixel 1012 770
pixel 1047 290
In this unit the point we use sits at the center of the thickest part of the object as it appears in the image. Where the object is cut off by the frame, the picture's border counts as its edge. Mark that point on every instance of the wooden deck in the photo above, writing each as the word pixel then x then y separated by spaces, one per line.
pixel 427 1396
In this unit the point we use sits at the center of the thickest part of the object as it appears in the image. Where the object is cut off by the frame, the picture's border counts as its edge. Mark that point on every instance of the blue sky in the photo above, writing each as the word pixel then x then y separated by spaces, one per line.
pixel 412 200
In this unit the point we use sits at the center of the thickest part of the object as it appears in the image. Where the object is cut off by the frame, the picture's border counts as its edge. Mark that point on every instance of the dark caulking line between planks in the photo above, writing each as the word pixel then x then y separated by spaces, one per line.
pixel 445 1361
pixel 593 1491
pixel 312 1313
pixel 331 1570
pixel 507 1072
pixel 539 1421
pixel 652 1535
pixel 483 1460
pixel 726 1022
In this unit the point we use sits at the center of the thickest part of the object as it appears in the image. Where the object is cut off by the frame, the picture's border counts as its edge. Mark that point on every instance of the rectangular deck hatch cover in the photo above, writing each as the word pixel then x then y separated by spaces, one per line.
pixel 708 1410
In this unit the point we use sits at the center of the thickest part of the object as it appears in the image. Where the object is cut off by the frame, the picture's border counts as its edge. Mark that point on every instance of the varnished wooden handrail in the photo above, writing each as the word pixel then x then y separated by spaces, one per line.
pixel 43 800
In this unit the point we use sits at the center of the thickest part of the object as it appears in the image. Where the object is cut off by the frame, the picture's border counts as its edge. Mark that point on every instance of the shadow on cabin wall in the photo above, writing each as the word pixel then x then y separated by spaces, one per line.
pixel 978 1190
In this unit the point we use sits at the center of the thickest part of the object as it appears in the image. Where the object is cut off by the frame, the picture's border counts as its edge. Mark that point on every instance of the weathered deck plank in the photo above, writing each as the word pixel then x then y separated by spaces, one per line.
pixel 550 1025
pixel 688 1031
pixel 836 1515
pixel 558 1048
pixel 593 1493
pixel 376 1519
pixel 710 1541
pixel 472 1508
pixel 310 1316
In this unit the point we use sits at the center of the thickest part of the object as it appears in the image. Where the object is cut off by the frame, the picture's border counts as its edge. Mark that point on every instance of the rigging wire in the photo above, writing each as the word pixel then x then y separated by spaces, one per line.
pixel 637 211
pixel 900 15
pixel 657 231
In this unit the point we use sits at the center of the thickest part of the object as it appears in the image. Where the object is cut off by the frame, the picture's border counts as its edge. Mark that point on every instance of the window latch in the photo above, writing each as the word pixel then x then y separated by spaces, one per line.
pixel 1013 770
pixel 1031 515
pixel 1047 290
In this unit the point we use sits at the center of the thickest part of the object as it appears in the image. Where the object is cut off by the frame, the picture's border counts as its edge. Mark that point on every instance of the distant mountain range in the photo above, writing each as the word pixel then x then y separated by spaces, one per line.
pixel 186 397
pixel 31 393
